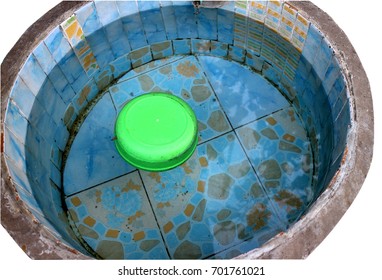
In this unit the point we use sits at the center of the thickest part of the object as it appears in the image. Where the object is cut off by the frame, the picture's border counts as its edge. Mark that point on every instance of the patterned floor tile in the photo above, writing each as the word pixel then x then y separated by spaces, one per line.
pixel 212 202
pixel 280 151
pixel 93 158
pixel 115 219
pixel 244 95
pixel 183 78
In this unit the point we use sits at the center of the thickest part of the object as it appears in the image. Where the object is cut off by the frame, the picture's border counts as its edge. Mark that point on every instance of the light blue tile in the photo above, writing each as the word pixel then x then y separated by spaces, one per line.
pixel 225 26
pixel 57 44
pixel 16 122
pixel 117 38
pixel 219 48
pixel 18 175
pixel 207 24
pixel 169 20
pixel 92 162
pixel 107 11
pixel 14 149
pixel 162 49
pixel 44 58
pixel 88 18
pixel 120 66
pixel 331 75
pixel 38 147
pixel 51 101
pixel 336 90
pixel 182 46
pixel 23 97
pixel 185 20
pixel 71 67
pixel 132 23
pixel 140 56
pixel 100 46
pixel 61 136
pixel 55 175
pixel 56 156
pixel 322 59
pixel 103 77
pixel 271 73
pixel 241 94
pixel 236 53
pixel 61 84
pixel 32 74
pixel 312 43
pixel 152 21
pixel 200 46
pixel 253 60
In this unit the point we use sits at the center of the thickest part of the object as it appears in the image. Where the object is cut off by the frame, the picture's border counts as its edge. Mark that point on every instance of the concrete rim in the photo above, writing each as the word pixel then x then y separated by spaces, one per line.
pixel 301 239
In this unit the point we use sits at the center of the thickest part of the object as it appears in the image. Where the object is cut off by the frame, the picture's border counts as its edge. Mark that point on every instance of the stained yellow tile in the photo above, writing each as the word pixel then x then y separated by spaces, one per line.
pixel 89 221
pixel 76 201
pixel 167 227
pixel 203 161
pixel 201 186
pixel 139 236
pixel 71 30
pixel 113 233
pixel 189 209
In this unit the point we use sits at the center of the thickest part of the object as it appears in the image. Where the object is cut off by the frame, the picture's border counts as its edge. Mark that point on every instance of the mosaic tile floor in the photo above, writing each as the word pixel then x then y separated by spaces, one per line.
pixel 249 178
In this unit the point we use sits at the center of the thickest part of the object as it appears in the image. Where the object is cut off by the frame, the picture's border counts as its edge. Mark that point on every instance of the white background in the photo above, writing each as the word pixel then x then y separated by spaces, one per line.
pixel 353 249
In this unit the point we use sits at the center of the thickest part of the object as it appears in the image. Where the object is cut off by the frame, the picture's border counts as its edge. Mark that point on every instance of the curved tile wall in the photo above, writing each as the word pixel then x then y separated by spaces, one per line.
pixel 102 41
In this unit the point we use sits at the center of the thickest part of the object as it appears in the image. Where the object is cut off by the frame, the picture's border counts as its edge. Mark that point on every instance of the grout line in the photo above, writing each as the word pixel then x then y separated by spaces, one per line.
pixel 155 217
pixel 104 182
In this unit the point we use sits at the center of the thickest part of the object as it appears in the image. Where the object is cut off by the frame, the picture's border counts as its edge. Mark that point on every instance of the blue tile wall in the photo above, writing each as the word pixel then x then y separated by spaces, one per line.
pixel 185 20
pixel 152 20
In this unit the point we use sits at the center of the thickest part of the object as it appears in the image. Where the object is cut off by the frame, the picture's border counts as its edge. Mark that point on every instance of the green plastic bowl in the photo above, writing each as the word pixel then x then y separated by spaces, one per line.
pixel 156 131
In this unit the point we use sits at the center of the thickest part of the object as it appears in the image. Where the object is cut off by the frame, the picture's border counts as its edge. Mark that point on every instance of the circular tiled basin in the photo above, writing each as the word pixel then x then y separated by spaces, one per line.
pixel 275 110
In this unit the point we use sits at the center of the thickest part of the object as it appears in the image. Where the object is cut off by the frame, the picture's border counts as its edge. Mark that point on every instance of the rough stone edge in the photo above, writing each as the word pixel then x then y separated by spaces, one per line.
pixel 304 236
pixel 301 239
pixel 32 237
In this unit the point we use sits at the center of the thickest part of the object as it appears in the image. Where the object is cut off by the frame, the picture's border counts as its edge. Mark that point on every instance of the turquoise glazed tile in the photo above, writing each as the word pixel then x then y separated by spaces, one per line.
pixel 116 220
pixel 331 75
pixel 271 73
pixel 244 97
pixel 323 58
pixel 88 18
pixel 280 152
pixel 32 74
pixel 182 46
pixel 207 23
pixel 210 203
pixel 132 23
pixel 169 20
pixel 56 156
pixel 152 20
pixel 219 49
pixel 183 78
pixel 93 158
